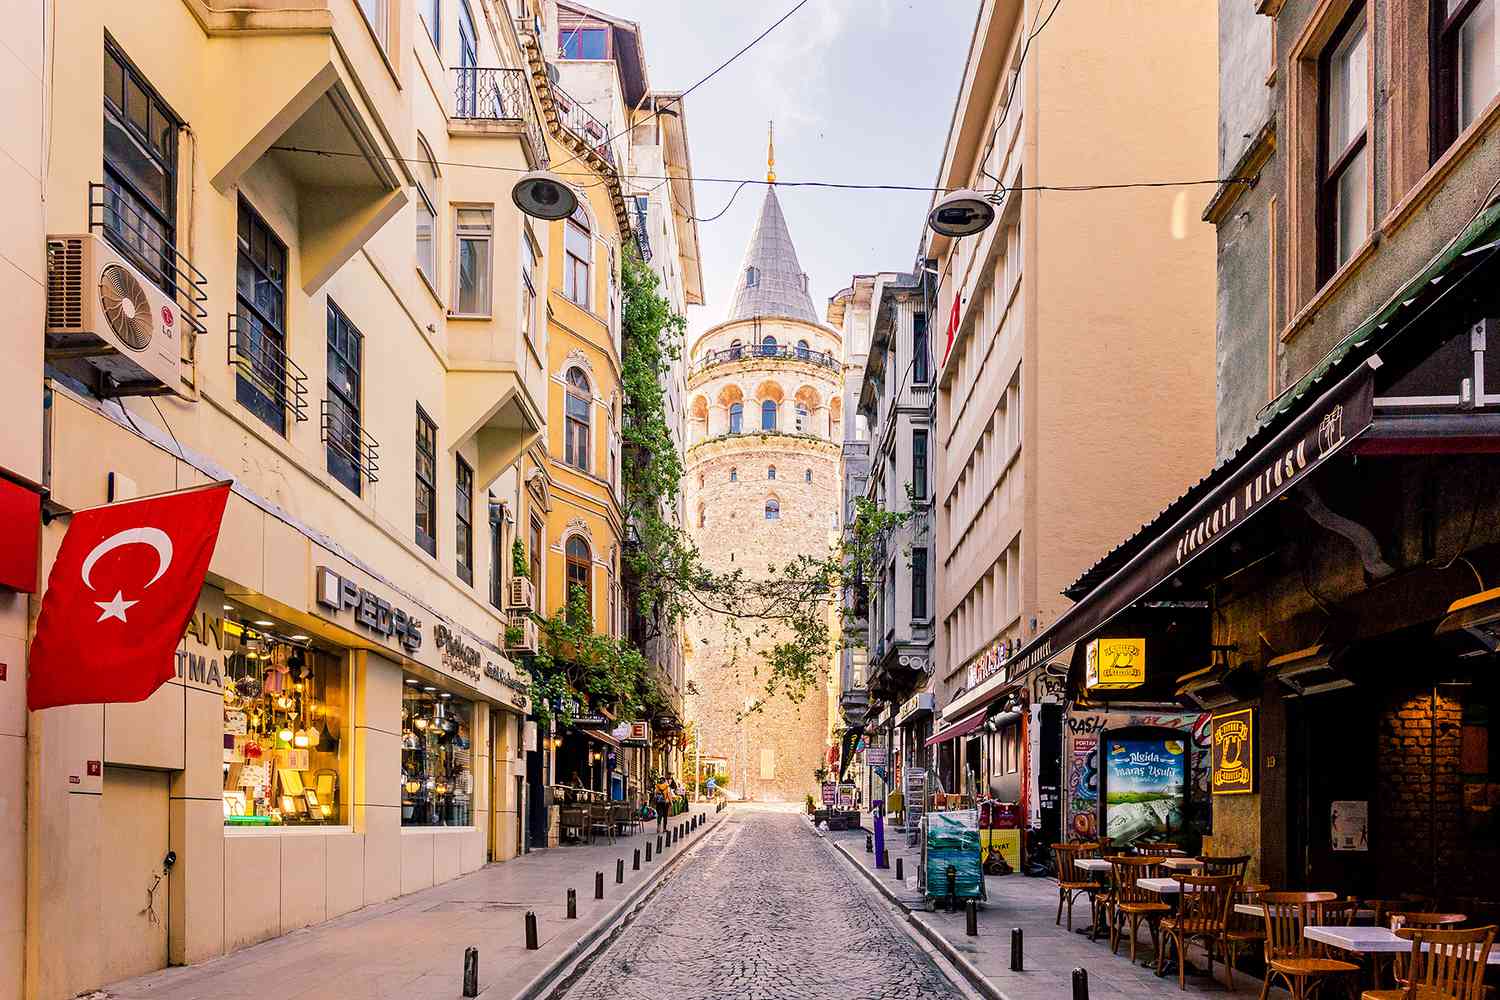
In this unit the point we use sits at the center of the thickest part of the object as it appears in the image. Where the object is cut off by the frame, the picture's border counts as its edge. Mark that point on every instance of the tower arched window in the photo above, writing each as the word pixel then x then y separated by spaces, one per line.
pixel 768 415
pixel 702 516
pixel 773 509
pixel 734 475
pixel 580 564
pixel 752 277
pixel 803 350
pixel 804 422
pixel 770 472
pixel 736 348
pixel 807 476
pixel 736 417
pixel 768 346
pixel 577 419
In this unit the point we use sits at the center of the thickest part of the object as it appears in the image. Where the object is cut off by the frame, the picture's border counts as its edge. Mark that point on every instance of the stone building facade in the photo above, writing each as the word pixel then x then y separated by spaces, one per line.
pixel 765 420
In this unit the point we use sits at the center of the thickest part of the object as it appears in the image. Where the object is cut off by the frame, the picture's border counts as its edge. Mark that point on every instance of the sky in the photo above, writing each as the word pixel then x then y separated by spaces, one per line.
pixel 860 90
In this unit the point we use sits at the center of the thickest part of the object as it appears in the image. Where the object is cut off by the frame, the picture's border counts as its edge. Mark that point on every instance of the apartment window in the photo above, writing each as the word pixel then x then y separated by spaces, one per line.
pixel 1343 192
pixel 463 539
pixel 468 38
pixel 498 554
pixel 345 358
pixel 576 420
pixel 1466 65
pixel 427 195
pixel 432 12
pixel 919 583
pixel 473 233
pixel 140 170
pixel 919 465
pixel 375 13
pixel 770 472
pixel 579 564
pixel 535 558
pixel 528 286
pixel 768 415
pixel 919 360
pixel 260 334
pixel 736 417
pixel 426 482
pixel 773 510
pixel 578 256
pixel 752 277
pixel 578 42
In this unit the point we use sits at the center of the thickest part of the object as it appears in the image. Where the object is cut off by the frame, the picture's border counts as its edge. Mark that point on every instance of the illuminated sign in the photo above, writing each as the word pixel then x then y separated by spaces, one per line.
pixel 1234 752
pixel 1115 664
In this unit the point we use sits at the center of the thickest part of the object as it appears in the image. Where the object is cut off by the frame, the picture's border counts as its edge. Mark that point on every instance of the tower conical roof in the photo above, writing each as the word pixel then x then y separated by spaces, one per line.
pixel 780 287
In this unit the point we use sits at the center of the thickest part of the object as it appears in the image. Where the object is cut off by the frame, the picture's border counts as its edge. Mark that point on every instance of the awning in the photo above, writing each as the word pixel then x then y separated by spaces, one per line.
pixel 962 728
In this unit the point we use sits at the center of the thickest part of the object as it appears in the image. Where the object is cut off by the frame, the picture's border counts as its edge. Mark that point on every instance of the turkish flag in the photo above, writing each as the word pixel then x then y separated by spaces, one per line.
pixel 120 595
pixel 952 327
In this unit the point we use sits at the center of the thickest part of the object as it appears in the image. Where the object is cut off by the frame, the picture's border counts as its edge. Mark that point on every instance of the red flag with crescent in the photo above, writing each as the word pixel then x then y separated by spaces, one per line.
pixel 120 595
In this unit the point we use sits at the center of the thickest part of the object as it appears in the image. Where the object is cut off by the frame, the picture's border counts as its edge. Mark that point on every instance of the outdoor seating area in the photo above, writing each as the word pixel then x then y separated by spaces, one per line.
pixel 1306 942
pixel 586 815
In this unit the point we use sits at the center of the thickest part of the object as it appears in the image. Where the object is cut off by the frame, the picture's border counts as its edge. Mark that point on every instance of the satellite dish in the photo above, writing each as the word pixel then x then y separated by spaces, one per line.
pixel 961 213
pixel 541 194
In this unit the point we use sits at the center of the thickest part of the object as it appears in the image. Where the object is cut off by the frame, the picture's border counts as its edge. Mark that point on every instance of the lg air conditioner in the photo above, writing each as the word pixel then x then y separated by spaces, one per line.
pixel 107 324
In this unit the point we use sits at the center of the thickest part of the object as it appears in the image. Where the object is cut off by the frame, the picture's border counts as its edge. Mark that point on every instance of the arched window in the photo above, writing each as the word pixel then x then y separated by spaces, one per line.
pixel 807 476
pixel 576 420
pixel 702 515
pixel 752 277
pixel 734 475
pixel 770 472
pixel 768 415
pixel 580 569
pixel 803 350
pixel 736 348
pixel 773 509
pixel 700 480
pixel 804 423
pixel 736 417
pixel 768 346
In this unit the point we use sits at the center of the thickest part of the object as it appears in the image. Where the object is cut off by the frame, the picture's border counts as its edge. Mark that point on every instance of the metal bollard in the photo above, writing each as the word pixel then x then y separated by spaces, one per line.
pixel 1015 950
pixel 971 918
pixel 869 843
pixel 598 885
pixel 658 843
pixel 635 862
pixel 952 889
pixel 1080 983
pixel 572 904
pixel 471 972
pixel 619 871
pixel 648 850
pixel 900 871
pixel 531 941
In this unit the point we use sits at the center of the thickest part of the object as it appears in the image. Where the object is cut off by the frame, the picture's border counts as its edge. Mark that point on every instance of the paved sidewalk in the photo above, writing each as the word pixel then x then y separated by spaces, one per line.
pixel 1050 951
pixel 413 947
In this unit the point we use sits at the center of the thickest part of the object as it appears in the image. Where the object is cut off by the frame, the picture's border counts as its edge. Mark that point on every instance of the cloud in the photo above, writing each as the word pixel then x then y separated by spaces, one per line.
pixel 791 79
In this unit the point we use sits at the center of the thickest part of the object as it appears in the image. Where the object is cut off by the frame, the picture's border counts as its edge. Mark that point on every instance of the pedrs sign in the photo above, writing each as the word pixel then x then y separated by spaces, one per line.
pixel 1115 664
pixel 1234 752
pixel 371 611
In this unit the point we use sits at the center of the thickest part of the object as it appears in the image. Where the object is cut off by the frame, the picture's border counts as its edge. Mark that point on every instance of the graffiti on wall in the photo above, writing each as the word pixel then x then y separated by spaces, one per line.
pixel 1081 752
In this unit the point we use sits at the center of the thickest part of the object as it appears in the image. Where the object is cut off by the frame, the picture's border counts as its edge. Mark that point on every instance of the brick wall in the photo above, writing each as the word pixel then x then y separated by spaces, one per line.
pixel 1421 792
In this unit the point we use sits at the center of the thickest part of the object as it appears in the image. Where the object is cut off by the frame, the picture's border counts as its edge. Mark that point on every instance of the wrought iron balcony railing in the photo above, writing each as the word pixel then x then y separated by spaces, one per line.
pixel 582 123
pixel 142 240
pixel 488 93
pixel 348 441
pixel 731 354
pixel 642 241
pixel 262 364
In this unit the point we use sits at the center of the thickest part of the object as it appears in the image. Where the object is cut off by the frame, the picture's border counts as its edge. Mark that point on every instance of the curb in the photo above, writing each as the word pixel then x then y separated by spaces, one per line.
pixel 970 971
pixel 553 972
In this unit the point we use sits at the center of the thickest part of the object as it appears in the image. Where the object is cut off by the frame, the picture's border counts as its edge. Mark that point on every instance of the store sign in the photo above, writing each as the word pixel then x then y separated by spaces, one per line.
pixel 830 793
pixel 1115 664
pixel 921 702
pixel 520 686
pixel 633 733
pixel 991 662
pixel 590 720
pixel 371 612
pixel 200 657
pixel 1234 752
pixel 457 657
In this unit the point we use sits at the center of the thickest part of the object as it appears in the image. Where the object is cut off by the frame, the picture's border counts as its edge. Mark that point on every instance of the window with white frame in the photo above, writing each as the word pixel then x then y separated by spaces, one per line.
pixel 529 257
pixel 474 231
pixel 428 196
pixel 578 256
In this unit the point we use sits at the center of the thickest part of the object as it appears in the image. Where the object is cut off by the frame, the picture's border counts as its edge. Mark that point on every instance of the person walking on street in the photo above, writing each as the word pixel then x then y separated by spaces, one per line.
pixel 659 801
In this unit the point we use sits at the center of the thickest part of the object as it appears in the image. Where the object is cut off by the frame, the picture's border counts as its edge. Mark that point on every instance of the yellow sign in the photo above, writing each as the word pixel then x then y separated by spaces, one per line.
pixel 1006 843
pixel 1115 664
pixel 1234 752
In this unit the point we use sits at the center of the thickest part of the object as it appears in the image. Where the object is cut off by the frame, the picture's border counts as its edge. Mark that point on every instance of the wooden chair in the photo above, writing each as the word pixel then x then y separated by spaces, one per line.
pixel 576 818
pixel 1339 912
pixel 1225 864
pixel 1417 921
pixel 1132 903
pixel 1240 929
pixel 599 819
pixel 1299 962
pixel 1202 913
pixel 1104 894
pixel 1073 881
pixel 1444 964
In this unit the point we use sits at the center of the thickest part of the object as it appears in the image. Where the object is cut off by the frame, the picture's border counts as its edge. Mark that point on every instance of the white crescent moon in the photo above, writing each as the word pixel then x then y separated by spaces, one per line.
pixel 154 537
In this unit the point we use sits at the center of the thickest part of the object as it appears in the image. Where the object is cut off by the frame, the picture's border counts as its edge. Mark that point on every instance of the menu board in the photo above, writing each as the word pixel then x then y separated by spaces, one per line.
pixel 915 789
pixel 1146 787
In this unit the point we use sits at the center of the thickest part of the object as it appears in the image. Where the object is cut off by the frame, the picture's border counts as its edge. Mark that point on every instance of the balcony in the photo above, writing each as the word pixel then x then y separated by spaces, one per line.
pixel 266 380
pixel 485 95
pixel 582 123
pixel 353 455
pixel 729 355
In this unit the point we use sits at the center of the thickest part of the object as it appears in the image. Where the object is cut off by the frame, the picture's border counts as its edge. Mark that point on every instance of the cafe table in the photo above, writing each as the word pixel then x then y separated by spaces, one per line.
pixel 1098 868
pixel 1182 864
pixel 1163 886
pixel 1368 940
pixel 1256 910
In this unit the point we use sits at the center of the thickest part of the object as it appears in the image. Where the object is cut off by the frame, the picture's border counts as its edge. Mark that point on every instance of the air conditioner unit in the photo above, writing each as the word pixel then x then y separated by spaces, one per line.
pixel 520 633
pixel 1472 625
pixel 106 323
pixel 1309 671
pixel 520 593
pixel 1207 688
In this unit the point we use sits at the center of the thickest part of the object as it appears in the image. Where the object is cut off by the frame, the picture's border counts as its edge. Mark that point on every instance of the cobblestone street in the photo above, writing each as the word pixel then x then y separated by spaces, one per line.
pixel 763 911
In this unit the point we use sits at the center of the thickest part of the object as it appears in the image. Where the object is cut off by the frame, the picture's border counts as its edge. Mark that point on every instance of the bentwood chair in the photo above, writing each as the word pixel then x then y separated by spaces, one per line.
pixel 600 819
pixel 1298 962
pixel 1104 895
pixel 1202 913
pixel 1240 929
pixel 1073 881
pixel 1418 921
pixel 1225 864
pixel 1444 965
pixel 1133 904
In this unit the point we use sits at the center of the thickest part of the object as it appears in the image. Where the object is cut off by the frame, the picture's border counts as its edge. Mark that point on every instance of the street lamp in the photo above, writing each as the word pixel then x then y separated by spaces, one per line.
pixel 962 213
pixel 541 194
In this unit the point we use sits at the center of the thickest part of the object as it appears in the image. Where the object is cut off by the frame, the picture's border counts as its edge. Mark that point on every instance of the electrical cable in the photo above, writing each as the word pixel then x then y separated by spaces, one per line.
pixel 1005 112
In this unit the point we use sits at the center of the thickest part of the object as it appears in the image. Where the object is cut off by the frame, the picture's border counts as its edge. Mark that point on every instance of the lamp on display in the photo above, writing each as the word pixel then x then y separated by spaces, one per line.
pixel 285 735
pixel 301 739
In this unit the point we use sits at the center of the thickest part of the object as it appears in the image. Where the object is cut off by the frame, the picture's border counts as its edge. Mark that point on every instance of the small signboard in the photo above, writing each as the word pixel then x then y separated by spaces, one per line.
pixel 1234 752
pixel 875 756
pixel 915 796
pixel 1115 664
pixel 846 796
pixel 830 793
pixel 1349 826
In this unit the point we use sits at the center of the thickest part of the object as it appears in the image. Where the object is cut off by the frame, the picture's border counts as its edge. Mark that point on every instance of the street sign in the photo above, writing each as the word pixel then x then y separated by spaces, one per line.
pixel 830 793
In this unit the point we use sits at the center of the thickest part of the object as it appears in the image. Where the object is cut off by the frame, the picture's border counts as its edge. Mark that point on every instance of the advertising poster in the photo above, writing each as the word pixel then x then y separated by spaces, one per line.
pixel 1349 825
pixel 1145 787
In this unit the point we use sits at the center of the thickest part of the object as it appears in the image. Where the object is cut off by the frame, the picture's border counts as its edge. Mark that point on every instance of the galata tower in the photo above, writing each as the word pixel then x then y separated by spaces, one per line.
pixel 765 424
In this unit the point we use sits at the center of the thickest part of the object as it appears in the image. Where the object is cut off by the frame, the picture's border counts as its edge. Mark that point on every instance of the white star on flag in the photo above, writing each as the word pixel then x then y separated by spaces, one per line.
pixel 115 608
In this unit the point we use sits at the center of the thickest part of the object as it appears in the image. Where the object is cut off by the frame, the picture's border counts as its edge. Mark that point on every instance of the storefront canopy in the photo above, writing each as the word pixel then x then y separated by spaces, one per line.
pixel 962 728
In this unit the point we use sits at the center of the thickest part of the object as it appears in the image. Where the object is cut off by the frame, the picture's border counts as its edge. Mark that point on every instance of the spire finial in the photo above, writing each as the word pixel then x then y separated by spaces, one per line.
pixel 771 152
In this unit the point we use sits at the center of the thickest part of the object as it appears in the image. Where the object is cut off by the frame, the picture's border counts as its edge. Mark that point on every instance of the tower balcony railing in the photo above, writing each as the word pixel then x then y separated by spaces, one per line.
pixel 788 352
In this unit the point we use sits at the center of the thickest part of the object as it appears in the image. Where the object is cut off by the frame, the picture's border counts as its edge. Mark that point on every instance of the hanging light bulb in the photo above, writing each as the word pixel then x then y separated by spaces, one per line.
pixel 420 722
pixel 301 740
pixel 285 735
pixel 284 702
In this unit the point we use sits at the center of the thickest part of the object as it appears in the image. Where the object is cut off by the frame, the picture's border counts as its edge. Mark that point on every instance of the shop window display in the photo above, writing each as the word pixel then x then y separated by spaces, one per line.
pixel 437 778
pixel 284 704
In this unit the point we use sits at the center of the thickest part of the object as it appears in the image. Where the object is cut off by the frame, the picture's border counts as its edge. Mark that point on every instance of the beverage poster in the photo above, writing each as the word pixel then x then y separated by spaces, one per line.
pixel 1146 786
